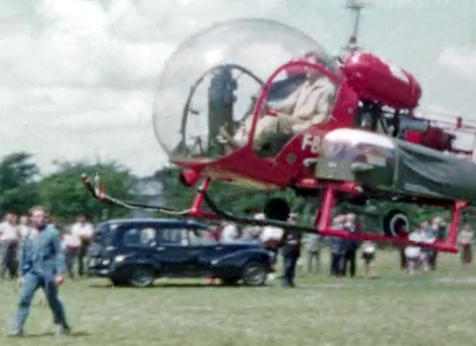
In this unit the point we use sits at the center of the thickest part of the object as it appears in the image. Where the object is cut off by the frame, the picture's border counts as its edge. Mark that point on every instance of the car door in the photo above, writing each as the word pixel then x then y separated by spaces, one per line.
pixel 176 255
pixel 208 250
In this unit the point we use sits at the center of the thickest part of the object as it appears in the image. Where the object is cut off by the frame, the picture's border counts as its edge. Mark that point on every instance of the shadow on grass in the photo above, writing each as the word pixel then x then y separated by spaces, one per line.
pixel 168 285
pixel 51 334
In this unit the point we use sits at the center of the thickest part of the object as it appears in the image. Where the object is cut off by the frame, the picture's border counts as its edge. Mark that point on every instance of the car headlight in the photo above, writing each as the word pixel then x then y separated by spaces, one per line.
pixel 106 262
pixel 120 258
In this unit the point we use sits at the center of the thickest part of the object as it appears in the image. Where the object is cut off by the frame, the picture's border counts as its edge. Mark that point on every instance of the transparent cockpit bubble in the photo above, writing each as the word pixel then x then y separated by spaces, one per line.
pixel 208 87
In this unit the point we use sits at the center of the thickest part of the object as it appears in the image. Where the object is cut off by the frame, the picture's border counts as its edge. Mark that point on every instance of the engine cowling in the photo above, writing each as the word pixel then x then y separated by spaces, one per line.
pixel 379 81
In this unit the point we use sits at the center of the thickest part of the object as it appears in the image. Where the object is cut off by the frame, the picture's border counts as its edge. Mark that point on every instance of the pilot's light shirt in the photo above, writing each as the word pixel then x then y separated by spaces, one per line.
pixel 310 102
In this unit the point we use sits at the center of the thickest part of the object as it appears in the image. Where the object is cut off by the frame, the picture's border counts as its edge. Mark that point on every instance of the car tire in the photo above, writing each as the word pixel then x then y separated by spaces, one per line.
pixel 254 273
pixel 391 221
pixel 141 276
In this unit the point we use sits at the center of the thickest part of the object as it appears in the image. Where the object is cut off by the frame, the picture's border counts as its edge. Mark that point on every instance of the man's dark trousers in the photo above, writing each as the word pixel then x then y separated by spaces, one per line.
pixel 290 260
pixel 350 256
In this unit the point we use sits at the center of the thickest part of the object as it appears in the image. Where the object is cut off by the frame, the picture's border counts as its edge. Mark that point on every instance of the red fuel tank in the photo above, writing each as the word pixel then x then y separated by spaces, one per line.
pixel 382 82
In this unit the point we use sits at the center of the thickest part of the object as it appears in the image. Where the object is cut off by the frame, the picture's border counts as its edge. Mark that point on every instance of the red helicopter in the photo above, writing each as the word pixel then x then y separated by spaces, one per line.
pixel 292 95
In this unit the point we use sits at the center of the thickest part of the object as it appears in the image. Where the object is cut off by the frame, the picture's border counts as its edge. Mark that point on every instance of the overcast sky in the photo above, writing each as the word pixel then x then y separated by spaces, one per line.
pixel 77 77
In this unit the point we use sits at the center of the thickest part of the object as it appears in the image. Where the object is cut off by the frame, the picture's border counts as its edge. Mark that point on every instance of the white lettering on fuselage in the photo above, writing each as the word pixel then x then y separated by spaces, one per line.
pixel 311 141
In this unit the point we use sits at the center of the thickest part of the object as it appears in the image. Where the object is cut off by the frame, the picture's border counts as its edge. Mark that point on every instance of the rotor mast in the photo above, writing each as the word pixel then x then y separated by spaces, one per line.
pixel 355 6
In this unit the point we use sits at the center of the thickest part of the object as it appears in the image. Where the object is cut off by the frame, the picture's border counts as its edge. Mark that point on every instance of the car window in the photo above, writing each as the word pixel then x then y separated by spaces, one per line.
pixel 201 237
pixel 137 235
pixel 176 236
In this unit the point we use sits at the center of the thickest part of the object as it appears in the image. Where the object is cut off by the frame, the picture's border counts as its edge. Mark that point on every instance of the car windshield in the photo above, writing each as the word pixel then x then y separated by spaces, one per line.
pixel 102 235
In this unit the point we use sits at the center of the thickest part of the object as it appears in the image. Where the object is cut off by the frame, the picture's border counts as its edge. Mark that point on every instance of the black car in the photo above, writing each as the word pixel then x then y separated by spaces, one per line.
pixel 137 251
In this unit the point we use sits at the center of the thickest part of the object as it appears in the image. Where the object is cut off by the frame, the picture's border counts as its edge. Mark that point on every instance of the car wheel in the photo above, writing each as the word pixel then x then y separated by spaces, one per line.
pixel 254 274
pixel 141 276
pixel 393 221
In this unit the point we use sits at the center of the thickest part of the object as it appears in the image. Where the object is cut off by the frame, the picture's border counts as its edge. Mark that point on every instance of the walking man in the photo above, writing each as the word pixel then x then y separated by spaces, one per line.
pixel 42 265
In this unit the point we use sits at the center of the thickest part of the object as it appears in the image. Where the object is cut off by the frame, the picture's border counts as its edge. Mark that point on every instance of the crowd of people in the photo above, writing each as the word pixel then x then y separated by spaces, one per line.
pixel 75 239
pixel 344 252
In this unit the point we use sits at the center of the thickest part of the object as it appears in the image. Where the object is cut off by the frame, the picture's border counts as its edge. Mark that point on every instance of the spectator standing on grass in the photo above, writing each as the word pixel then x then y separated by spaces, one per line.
pixel 465 238
pixel 313 248
pixel 253 233
pixel 85 231
pixel 369 249
pixel 71 243
pixel 42 265
pixel 23 227
pixel 335 246
pixel 291 243
pixel 229 233
pixel 429 236
pixel 413 253
pixel 9 241
pixel 351 246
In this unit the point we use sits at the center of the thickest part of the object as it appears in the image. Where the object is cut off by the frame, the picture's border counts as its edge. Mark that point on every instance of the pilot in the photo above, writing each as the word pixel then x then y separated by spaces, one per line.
pixel 310 104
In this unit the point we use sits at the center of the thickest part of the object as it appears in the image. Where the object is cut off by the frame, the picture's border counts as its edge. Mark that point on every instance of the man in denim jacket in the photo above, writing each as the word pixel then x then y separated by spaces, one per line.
pixel 42 265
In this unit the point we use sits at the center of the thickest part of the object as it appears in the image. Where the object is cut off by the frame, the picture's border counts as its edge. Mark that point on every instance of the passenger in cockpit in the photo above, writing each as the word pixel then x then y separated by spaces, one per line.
pixel 309 104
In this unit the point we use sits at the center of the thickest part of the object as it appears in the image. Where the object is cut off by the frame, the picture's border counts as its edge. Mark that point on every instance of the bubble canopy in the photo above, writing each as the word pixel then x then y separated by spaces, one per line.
pixel 213 79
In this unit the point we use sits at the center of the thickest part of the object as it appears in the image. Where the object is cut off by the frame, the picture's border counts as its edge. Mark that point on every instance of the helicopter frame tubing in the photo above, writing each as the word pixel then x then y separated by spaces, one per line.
pixel 323 215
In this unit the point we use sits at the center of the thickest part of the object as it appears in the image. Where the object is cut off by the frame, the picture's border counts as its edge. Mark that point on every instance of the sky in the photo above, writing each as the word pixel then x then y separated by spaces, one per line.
pixel 78 77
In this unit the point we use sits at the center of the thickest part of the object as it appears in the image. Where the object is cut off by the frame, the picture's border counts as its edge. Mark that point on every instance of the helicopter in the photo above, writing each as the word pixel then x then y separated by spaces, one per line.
pixel 302 112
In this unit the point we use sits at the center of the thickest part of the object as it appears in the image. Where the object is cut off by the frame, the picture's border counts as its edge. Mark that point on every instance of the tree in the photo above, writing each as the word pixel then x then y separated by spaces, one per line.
pixel 65 196
pixel 18 183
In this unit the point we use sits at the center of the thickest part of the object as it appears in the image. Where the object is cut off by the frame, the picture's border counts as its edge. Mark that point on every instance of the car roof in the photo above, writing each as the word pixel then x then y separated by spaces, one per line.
pixel 170 222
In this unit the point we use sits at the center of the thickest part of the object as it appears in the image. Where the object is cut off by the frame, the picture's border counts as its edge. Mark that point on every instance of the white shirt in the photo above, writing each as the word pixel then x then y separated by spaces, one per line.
pixel 368 247
pixel 71 241
pixel 271 233
pixel 229 234
pixel 8 232
pixel 414 251
pixel 85 230
pixel 465 237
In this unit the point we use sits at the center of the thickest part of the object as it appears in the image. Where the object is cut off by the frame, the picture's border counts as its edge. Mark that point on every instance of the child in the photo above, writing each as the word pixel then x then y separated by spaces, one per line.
pixel 368 255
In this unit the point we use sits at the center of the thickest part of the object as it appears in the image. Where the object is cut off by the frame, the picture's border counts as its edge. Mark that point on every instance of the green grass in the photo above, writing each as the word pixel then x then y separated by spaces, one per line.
pixel 394 309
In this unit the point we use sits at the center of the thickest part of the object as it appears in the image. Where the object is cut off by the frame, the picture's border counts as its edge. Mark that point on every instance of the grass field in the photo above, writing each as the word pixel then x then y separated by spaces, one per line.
pixel 394 309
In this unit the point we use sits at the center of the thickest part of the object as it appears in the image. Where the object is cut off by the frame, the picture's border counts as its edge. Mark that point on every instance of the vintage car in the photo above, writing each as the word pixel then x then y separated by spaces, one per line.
pixel 137 251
